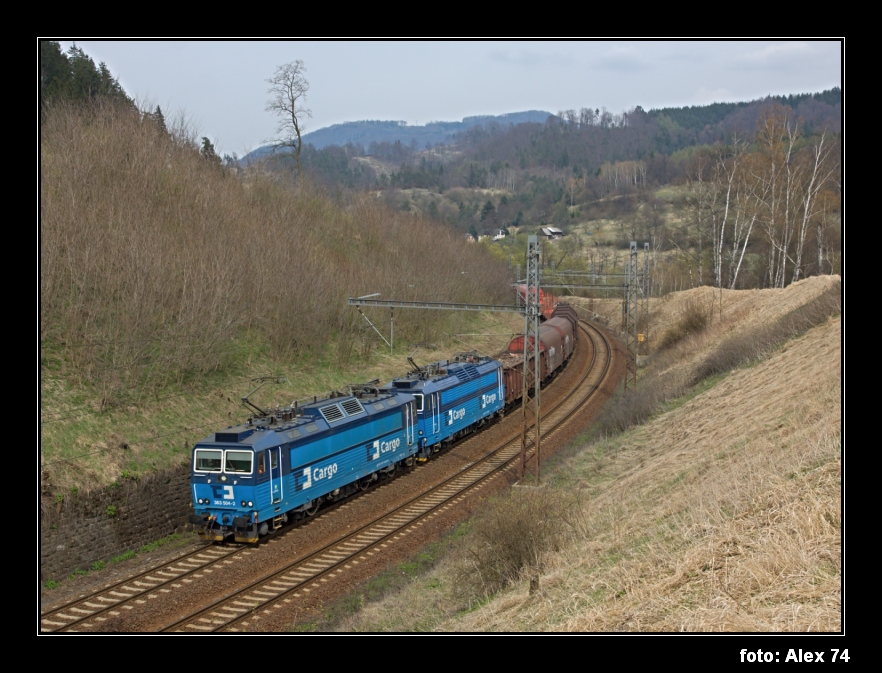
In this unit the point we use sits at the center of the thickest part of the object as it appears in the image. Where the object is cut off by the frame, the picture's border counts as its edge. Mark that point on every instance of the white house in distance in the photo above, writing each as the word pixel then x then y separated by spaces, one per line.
pixel 551 233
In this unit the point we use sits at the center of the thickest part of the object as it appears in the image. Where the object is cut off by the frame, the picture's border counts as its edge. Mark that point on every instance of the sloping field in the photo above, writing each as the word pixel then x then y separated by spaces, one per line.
pixel 722 514
pixel 730 313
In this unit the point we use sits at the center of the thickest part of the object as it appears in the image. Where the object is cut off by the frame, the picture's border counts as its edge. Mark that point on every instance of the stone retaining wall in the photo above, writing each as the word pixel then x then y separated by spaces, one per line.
pixel 100 525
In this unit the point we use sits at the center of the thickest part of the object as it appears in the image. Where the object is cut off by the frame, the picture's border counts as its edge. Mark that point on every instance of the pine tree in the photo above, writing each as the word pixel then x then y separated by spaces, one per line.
pixel 208 153
pixel 75 77
pixel 54 72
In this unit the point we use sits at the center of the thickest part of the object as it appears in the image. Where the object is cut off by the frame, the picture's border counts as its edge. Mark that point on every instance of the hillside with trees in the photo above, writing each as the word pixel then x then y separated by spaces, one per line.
pixel 75 77
pixel 166 276
pixel 730 194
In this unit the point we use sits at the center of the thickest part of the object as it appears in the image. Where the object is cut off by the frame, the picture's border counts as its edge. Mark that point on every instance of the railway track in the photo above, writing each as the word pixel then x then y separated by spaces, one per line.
pixel 126 594
pixel 242 608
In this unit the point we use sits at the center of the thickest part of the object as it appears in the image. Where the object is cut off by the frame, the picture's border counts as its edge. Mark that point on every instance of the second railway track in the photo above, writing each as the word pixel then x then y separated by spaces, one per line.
pixel 116 606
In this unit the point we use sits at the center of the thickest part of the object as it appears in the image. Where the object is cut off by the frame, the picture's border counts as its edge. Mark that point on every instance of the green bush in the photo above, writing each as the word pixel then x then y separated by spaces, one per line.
pixel 125 556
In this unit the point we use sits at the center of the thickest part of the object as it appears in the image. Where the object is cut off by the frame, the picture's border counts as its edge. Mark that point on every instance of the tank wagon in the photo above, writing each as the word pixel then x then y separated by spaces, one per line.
pixel 250 479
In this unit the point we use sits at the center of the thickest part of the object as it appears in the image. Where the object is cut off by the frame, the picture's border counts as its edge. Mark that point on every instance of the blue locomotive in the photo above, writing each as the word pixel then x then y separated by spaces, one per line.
pixel 453 397
pixel 250 479
pixel 281 464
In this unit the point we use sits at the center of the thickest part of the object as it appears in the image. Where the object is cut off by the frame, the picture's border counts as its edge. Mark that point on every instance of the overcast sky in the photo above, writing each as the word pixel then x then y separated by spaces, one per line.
pixel 222 87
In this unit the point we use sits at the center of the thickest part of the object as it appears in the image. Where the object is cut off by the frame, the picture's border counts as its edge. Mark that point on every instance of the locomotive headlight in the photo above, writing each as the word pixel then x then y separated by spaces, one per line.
pixel 421 432
pixel 223 477
pixel 242 503
pixel 250 504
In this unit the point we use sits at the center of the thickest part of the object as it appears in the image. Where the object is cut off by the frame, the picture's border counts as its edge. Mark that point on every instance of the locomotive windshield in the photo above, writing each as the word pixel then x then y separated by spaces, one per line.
pixel 231 462
pixel 238 461
pixel 208 461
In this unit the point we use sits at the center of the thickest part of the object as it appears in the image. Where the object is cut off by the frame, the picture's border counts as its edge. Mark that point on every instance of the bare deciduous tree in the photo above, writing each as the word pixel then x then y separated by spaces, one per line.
pixel 288 90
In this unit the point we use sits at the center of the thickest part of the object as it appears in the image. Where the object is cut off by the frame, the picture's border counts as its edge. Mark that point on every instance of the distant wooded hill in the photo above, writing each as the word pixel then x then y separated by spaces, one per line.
pixel 366 133
pixel 583 139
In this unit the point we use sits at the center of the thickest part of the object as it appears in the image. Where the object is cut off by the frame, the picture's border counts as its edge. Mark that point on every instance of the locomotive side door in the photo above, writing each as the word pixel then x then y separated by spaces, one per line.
pixel 435 399
pixel 410 421
pixel 275 473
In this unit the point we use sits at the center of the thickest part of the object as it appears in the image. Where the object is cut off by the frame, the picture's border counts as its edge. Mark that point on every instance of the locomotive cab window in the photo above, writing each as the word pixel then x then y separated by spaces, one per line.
pixel 208 461
pixel 419 401
pixel 261 463
pixel 238 462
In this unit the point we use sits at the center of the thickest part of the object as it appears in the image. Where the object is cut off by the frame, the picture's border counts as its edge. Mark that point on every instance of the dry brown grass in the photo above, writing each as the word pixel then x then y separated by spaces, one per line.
pixel 166 283
pixel 153 260
pixel 722 514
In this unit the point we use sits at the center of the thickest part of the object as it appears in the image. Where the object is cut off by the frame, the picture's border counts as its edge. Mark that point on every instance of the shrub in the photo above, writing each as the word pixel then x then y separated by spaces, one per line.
pixel 694 319
pixel 761 341
pixel 635 407
pixel 511 536
pixel 111 511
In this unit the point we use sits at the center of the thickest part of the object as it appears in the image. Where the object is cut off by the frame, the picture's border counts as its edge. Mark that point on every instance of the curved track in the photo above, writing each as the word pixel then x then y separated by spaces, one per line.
pixel 297 580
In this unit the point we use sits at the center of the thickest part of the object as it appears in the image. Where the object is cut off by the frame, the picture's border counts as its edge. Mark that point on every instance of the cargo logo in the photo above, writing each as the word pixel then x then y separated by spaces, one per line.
pixel 304 480
pixel 487 399
pixel 320 473
pixel 223 495
pixel 385 447
pixel 373 450
pixel 455 415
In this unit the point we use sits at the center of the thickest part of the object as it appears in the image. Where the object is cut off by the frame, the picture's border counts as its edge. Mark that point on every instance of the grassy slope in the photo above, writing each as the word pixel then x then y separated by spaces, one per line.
pixel 83 448
pixel 722 514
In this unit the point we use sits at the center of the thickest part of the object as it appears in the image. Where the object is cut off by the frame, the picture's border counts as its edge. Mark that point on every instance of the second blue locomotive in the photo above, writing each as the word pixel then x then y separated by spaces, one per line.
pixel 453 397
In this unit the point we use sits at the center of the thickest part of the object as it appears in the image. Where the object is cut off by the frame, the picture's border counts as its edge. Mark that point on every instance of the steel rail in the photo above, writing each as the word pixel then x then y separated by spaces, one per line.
pixel 286 584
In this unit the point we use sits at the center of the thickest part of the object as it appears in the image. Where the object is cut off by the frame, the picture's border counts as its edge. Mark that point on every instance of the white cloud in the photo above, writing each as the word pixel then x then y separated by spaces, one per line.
pixel 530 58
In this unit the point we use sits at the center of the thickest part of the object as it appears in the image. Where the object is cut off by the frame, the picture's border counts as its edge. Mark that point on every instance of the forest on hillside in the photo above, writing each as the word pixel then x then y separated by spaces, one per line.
pixel 158 262
pixel 755 198
pixel 739 194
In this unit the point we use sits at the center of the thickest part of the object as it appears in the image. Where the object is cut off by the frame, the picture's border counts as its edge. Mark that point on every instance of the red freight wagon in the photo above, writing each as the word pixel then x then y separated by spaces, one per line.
pixel 546 300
